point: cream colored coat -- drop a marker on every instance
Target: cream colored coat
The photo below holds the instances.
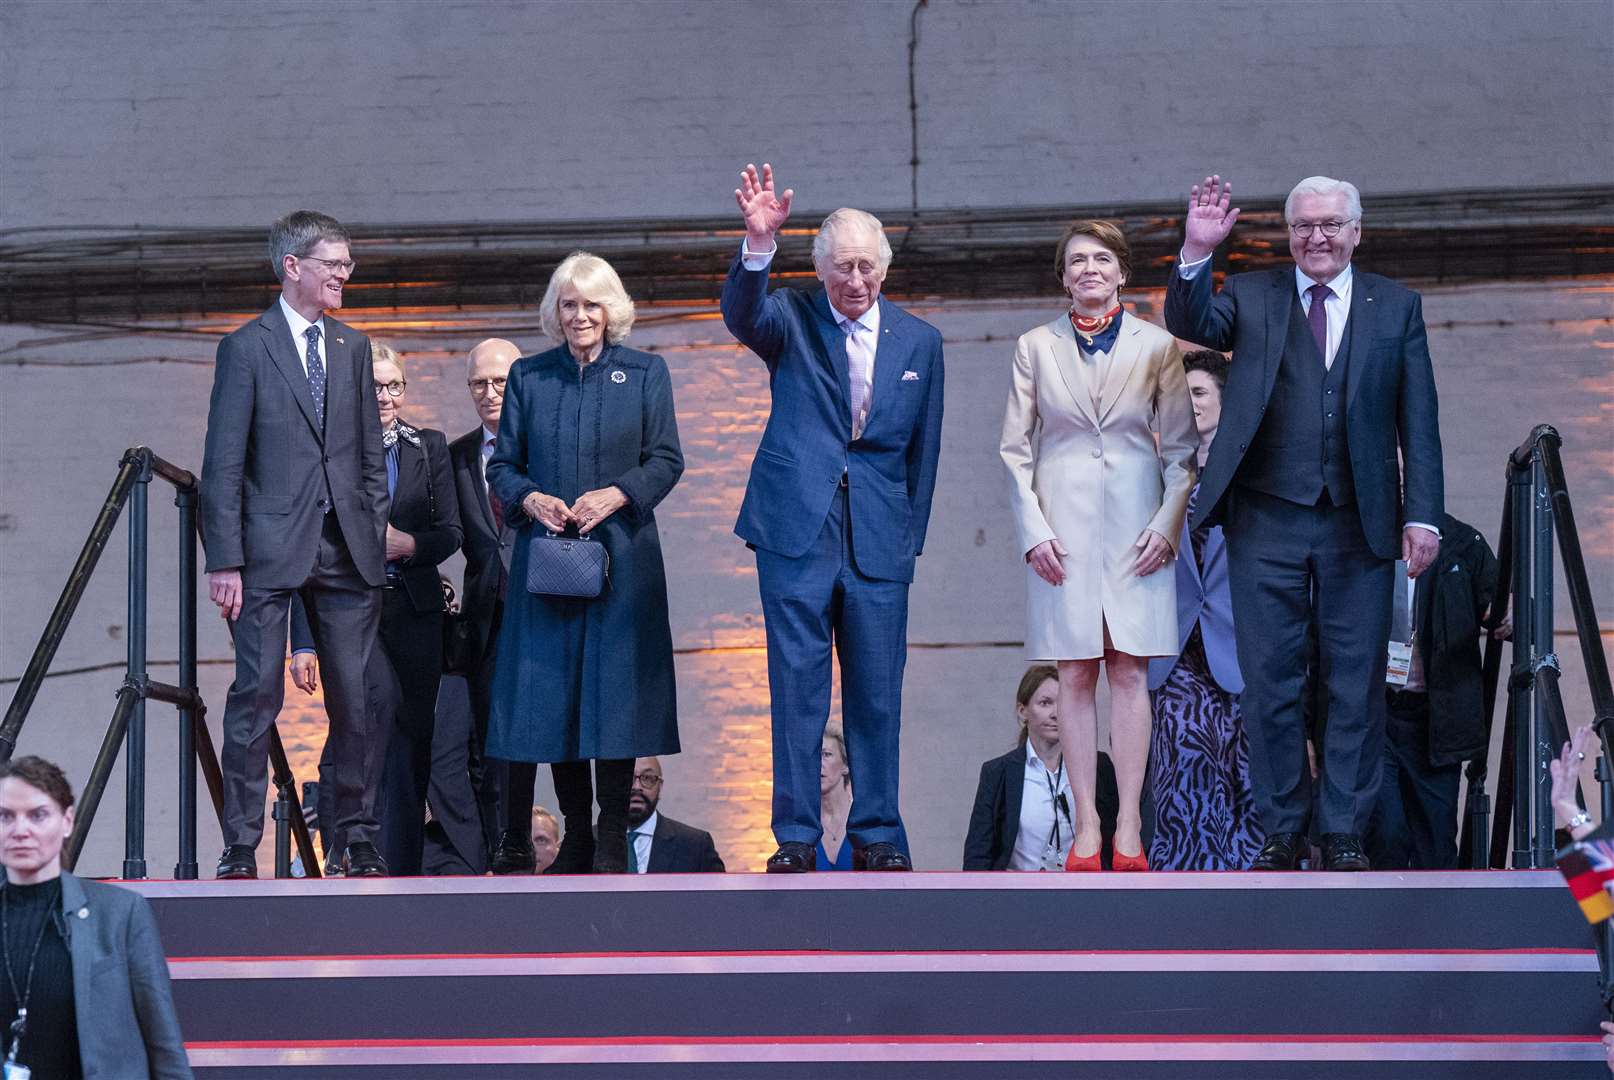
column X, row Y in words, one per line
column 1079, row 439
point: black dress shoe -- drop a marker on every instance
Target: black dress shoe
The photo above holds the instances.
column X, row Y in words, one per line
column 363, row 860
column 1342, row 851
column 514, row 855
column 1282, row 851
column 611, row 851
column 884, row 857
column 793, row 858
column 238, row 863
column 576, row 853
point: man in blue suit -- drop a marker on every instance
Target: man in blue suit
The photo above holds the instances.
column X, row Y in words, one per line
column 1331, row 379
column 836, row 509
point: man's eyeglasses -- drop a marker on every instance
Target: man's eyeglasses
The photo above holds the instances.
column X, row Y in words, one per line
column 391, row 389
column 333, row 265
column 1330, row 229
column 647, row 779
column 482, row 386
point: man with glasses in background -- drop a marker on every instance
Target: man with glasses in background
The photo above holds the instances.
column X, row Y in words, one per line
column 294, row 500
column 656, row 843
column 488, row 545
column 1331, row 376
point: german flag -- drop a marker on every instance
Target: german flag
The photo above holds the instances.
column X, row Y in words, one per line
column 1588, row 866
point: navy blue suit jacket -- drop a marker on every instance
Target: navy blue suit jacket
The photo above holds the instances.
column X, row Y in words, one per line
column 1204, row 597
column 808, row 444
column 1389, row 391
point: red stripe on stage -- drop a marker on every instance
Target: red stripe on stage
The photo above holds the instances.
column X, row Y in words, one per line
column 877, row 1040
column 292, row 958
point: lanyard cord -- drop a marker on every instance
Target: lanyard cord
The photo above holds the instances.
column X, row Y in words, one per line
column 1055, row 781
column 20, row 1024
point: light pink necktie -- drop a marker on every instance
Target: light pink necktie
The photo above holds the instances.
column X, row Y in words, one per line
column 860, row 361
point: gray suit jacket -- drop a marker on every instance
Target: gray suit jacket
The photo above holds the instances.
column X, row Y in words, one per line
column 1203, row 596
column 268, row 458
column 127, row 1027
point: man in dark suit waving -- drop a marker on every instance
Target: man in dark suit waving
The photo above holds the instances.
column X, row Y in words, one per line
column 836, row 508
column 1331, row 378
column 294, row 499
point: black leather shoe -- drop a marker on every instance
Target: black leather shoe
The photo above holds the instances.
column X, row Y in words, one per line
column 1282, row 851
column 238, row 863
column 793, row 858
column 1342, row 851
column 514, row 855
column 363, row 860
column 880, row 857
column 611, row 851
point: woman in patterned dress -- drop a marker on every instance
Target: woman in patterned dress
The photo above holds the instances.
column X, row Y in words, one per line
column 1199, row 775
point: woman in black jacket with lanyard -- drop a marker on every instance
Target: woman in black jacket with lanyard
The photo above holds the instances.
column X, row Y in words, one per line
column 1022, row 815
column 423, row 529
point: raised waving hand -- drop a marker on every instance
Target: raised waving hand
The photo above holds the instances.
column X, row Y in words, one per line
column 1209, row 220
column 765, row 212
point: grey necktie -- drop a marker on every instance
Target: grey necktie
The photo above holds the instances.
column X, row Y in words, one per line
column 316, row 372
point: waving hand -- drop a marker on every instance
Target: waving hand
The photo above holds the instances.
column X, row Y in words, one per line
column 1209, row 220
column 764, row 212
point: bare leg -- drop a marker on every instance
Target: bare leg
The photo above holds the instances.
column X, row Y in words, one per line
column 1078, row 741
column 1130, row 721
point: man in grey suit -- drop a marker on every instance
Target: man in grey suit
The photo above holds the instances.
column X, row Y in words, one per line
column 294, row 499
column 1331, row 379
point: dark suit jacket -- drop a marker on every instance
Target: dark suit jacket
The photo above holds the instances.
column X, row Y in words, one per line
column 487, row 551
column 995, row 819
column 1389, row 391
column 682, row 849
column 127, row 1026
column 1450, row 600
column 808, row 443
column 425, row 507
column 268, row 458
column 1204, row 598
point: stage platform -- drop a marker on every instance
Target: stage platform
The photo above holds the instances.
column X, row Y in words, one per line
column 852, row 976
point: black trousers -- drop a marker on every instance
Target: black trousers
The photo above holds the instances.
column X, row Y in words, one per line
column 1415, row 819
column 343, row 613
column 1292, row 566
column 489, row 776
column 401, row 686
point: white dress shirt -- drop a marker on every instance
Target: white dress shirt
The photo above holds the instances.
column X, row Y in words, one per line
column 862, row 343
column 1337, row 305
column 1033, row 847
column 299, row 330
column 644, row 840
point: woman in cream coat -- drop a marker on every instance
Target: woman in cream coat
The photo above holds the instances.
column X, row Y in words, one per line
column 1099, row 441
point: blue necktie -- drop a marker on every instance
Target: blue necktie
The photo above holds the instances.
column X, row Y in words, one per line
column 316, row 373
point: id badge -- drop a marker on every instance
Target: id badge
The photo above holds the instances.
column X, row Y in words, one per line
column 1400, row 663
column 16, row 1071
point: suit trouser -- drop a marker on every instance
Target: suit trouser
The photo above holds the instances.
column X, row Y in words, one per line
column 455, row 843
column 1290, row 564
column 812, row 604
column 1415, row 819
column 343, row 612
column 489, row 776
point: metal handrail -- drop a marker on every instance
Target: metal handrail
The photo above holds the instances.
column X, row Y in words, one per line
column 127, row 727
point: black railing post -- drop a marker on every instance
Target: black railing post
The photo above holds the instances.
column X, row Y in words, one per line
column 134, row 821
column 1543, row 745
column 1520, row 711
column 90, row 798
column 185, row 869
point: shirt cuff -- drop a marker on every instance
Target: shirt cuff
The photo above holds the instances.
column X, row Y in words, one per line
column 753, row 260
column 299, row 652
column 1190, row 270
column 1423, row 525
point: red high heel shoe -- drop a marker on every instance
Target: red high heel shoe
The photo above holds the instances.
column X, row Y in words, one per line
column 1074, row 862
column 1140, row 861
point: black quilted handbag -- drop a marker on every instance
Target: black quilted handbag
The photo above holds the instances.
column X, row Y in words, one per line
column 575, row 568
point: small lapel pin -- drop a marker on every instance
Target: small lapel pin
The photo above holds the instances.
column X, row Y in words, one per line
column 619, row 377
column 1367, row 300
column 84, row 913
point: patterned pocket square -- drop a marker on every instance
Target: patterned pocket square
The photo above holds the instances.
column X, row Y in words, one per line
column 910, row 376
